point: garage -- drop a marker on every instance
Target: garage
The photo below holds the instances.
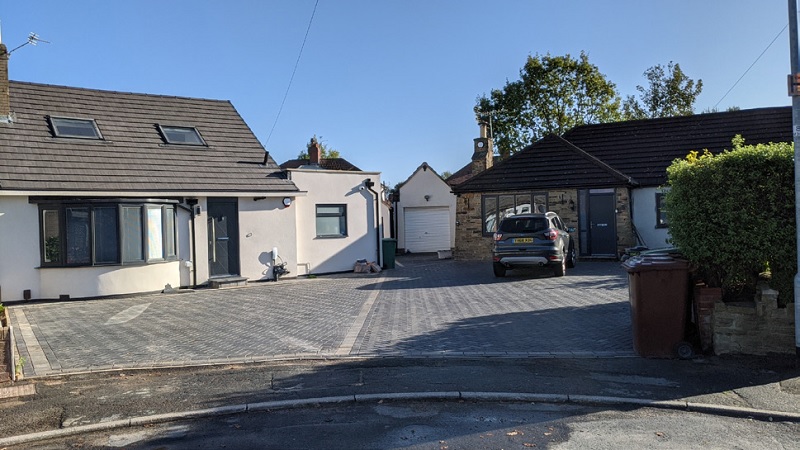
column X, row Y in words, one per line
column 427, row 229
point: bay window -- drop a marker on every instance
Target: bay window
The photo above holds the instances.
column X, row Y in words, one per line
column 101, row 233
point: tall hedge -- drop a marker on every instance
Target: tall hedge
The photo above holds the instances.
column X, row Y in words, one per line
column 733, row 214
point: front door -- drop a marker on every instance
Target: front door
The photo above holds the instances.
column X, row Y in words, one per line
column 223, row 237
column 602, row 224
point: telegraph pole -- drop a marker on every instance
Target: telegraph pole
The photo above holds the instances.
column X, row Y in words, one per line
column 794, row 91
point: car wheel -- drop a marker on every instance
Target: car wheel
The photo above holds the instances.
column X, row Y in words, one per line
column 561, row 269
column 572, row 259
column 499, row 270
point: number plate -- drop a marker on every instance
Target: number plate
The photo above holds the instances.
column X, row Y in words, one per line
column 523, row 240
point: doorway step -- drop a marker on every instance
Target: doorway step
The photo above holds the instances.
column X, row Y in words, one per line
column 227, row 282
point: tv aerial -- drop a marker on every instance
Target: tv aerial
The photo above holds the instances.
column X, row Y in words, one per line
column 33, row 39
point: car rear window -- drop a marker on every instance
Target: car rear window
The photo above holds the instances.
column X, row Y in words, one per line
column 523, row 225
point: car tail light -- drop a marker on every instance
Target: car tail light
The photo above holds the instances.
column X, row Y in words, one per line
column 551, row 234
column 498, row 236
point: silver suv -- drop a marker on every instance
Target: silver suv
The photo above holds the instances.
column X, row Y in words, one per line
column 533, row 240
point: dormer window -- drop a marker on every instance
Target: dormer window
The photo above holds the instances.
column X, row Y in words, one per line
column 75, row 128
column 181, row 135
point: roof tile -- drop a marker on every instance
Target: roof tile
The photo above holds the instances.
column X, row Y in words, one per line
column 132, row 155
column 627, row 153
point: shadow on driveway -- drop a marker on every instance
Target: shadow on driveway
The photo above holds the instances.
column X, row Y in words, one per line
column 422, row 271
column 596, row 329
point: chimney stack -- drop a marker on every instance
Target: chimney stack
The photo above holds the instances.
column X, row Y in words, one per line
column 313, row 151
column 483, row 155
column 5, row 102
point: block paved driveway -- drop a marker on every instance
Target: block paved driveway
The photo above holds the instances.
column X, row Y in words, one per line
column 424, row 307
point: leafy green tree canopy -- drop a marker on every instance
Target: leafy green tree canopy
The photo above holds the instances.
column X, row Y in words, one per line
column 325, row 152
column 553, row 94
column 669, row 93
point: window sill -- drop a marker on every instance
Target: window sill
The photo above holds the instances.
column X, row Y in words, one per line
column 127, row 264
column 338, row 236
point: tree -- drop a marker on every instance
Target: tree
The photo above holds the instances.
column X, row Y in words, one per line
column 670, row 93
column 325, row 152
column 446, row 174
column 553, row 94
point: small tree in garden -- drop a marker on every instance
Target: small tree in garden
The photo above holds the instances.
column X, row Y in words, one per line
column 733, row 214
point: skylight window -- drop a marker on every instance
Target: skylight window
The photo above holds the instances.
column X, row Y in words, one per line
column 181, row 135
column 75, row 128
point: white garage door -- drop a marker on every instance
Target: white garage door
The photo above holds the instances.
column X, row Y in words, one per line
column 427, row 229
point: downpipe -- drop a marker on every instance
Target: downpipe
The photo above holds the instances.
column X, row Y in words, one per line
column 369, row 184
column 192, row 215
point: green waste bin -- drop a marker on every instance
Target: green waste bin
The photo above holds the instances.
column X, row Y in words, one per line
column 389, row 250
column 658, row 286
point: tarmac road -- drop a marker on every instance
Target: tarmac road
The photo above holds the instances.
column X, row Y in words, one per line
column 451, row 425
column 764, row 389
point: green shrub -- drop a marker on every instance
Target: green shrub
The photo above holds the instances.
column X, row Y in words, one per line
column 733, row 214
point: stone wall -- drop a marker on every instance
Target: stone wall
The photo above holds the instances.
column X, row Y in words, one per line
column 472, row 244
column 625, row 237
column 754, row 328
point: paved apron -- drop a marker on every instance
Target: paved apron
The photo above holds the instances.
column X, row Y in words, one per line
column 424, row 307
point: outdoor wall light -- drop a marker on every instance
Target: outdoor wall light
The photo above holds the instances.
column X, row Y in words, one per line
column 287, row 201
column 427, row 198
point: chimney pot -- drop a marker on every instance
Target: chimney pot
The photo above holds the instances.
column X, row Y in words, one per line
column 484, row 129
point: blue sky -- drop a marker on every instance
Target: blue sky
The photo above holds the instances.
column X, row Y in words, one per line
column 390, row 83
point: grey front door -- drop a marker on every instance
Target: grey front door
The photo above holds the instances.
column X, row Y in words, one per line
column 223, row 237
column 602, row 224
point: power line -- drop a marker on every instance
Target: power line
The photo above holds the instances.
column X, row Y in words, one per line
column 751, row 65
column 297, row 63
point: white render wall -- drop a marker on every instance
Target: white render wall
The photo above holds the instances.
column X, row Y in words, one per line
column 19, row 248
column 327, row 255
column 184, row 250
column 412, row 195
column 263, row 224
column 644, row 217
column 101, row 281
column 20, row 264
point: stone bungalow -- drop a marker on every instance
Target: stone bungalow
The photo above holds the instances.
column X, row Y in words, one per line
column 606, row 180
